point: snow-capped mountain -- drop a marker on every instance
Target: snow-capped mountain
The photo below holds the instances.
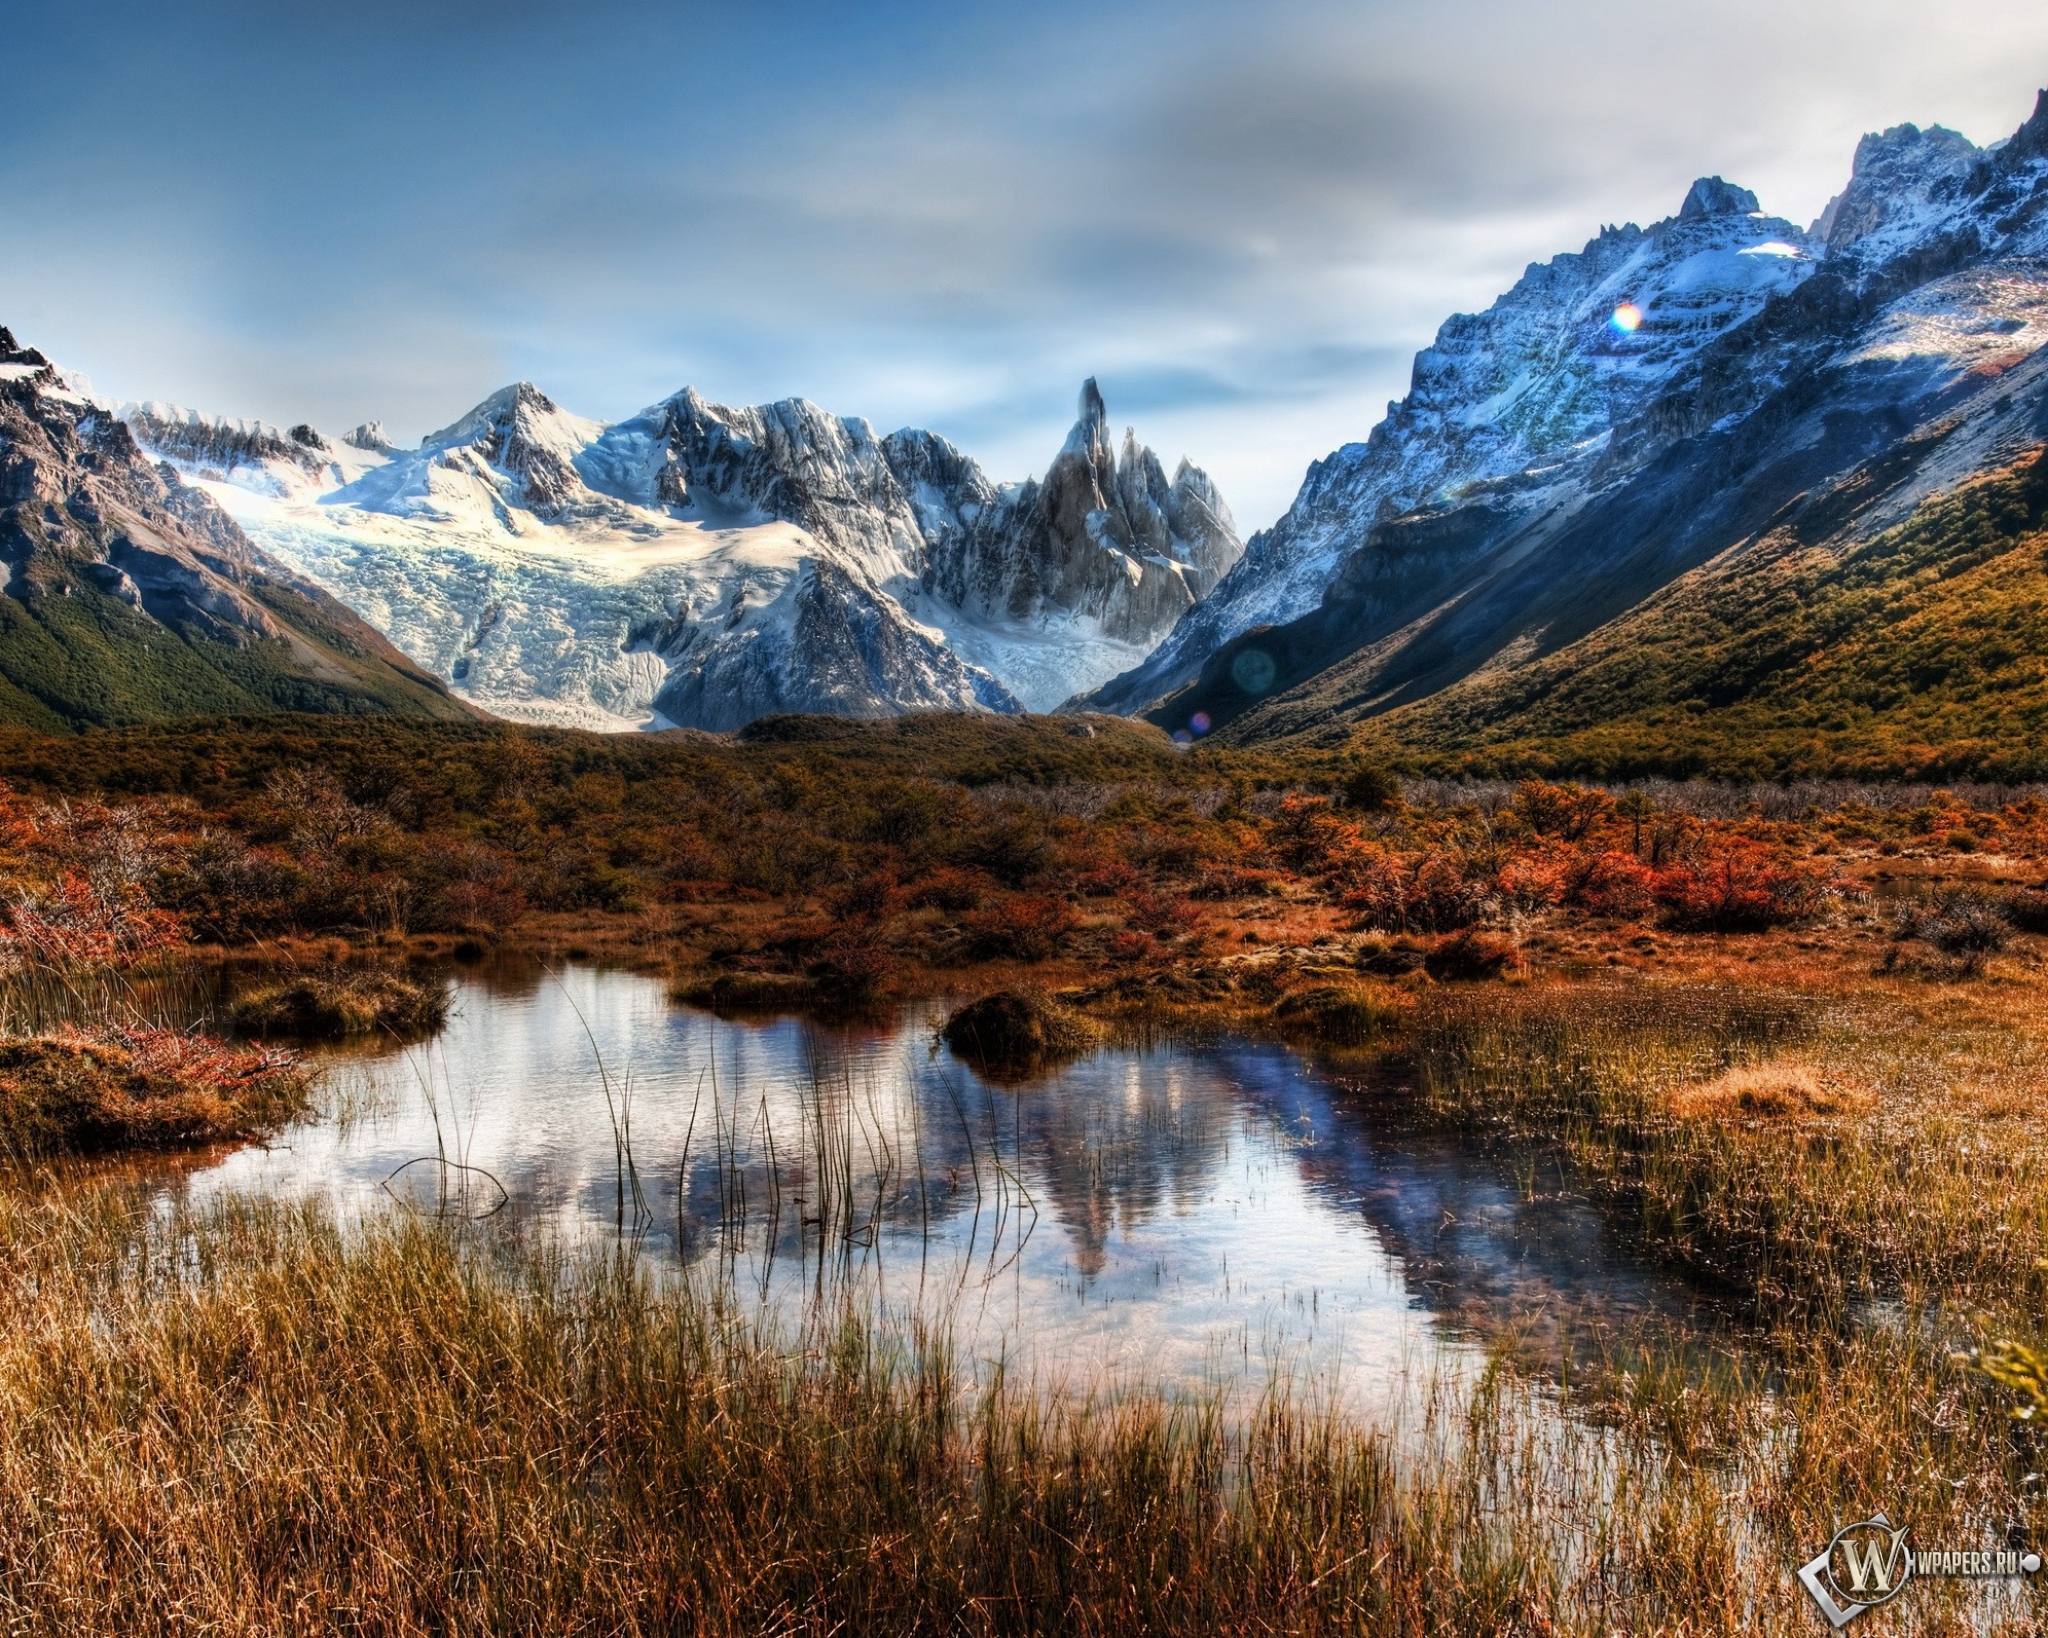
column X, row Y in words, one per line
column 701, row 565
column 1533, row 385
column 1633, row 415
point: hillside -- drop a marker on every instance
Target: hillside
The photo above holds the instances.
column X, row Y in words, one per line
column 1921, row 652
column 132, row 598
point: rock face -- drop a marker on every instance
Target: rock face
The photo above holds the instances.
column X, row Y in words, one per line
column 1626, row 415
column 132, row 597
column 177, row 434
column 1104, row 536
column 701, row 565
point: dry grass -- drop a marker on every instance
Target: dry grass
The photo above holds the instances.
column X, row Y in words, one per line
column 1883, row 1143
column 256, row 1422
column 1776, row 1089
column 339, row 1003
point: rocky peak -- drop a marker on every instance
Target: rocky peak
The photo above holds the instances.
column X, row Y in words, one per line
column 1896, row 179
column 1091, row 415
column 23, row 366
column 1089, row 440
column 2030, row 141
column 370, row 436
column 1710, row 196
column 213, row 445
column 523, row 433
column 12, row 352
column 790, row 461
column 1103, row 535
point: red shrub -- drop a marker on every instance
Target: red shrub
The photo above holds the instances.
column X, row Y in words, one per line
column 1235, row 882
column 1429, row 892
column 1741, row 886
column 1528, row 882
column 1022, row 927
column 77, row 922
column 1131, row 946
column 1105, row 879
column 1614, row 884
column 950, row 888
column 874, row 897
column 82, row 890
column 853, row 966
column 1473, row 955
column 1154, row 913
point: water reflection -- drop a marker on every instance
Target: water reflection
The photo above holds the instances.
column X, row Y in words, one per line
column 1168, row 1211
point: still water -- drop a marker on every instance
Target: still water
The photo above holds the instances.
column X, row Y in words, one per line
column 1176, row 1213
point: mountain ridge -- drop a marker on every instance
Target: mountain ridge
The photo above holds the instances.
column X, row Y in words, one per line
column 1898, row 366
column 132, row 598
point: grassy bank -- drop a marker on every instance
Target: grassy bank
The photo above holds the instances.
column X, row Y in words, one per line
column 1876, row 1143
column 263, row 1423
column 137, row 1087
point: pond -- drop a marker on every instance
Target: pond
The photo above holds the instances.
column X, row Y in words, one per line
column 1177, row 1212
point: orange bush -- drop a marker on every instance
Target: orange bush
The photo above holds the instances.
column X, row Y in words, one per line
column 1022, row 927
column 1741, row 886
column 1612, row 883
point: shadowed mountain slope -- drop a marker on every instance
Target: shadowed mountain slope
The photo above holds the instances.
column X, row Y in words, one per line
column 132, row 598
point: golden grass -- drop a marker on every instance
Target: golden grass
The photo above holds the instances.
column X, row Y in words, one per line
column 341, row 1002
column 1819, row 1149
column 1777, row 1088
column 255, row 1421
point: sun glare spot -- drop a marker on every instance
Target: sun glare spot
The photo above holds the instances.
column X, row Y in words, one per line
column 1626, row 318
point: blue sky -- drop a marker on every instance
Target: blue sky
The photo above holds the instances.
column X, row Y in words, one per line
column 1242, row 219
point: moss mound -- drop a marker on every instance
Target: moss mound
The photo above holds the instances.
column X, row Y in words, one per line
column 1337, row 1014
column 141, row 1089
column 749, row 992
column 334, row 1006
column 1007, row 1034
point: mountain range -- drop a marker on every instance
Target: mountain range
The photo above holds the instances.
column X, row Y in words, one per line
column 1722, row 494
column 699, row 566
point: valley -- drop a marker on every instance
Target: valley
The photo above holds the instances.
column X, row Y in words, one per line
column 719, row 1023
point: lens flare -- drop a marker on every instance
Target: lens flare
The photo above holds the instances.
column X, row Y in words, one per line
column 1627, row 318
column 1199, row 722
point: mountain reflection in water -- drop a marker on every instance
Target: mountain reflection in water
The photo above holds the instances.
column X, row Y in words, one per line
column 1173, row 1212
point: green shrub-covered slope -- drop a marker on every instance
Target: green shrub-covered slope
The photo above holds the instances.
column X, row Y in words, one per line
column 83, row 659
column 1920, row 652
